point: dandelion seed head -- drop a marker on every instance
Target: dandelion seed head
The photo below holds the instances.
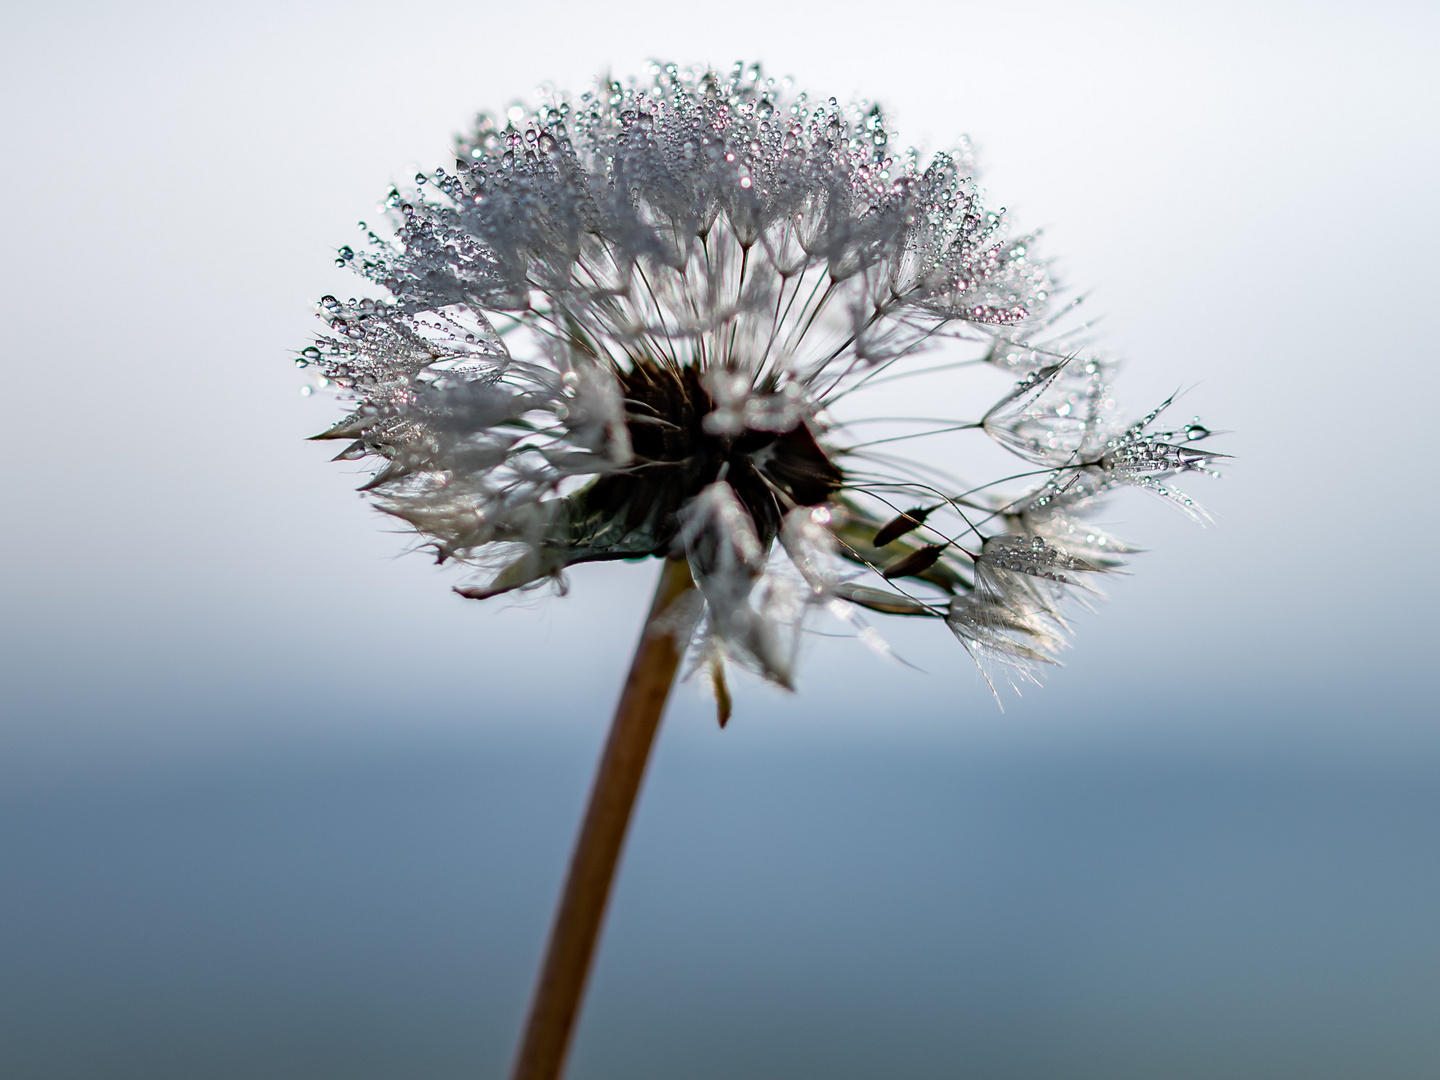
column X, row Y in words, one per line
column 626, row 324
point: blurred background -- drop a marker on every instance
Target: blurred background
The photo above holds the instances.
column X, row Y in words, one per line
column 275, row 803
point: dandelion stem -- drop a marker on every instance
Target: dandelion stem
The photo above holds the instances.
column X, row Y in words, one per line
column 576, row 930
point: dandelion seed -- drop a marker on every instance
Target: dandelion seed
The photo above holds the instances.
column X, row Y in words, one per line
column 901, row 524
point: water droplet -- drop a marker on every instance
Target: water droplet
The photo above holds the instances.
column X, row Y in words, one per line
column 1196, row 431
column 306, row 391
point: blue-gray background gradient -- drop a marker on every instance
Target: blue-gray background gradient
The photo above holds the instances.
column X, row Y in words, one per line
column 274, row 803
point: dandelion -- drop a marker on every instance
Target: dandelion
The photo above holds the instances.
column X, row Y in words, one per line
column 638, row 324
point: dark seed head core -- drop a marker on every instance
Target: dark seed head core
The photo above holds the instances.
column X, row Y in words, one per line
column 636, row 512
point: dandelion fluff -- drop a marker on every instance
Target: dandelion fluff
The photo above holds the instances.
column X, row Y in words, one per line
column 620, row 326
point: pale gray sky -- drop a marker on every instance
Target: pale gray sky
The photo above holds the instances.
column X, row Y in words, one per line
column 1245, row 190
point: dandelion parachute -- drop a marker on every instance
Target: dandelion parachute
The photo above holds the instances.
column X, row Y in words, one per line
column 628, row 325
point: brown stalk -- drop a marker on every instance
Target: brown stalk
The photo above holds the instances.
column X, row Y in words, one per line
column 576, row 930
